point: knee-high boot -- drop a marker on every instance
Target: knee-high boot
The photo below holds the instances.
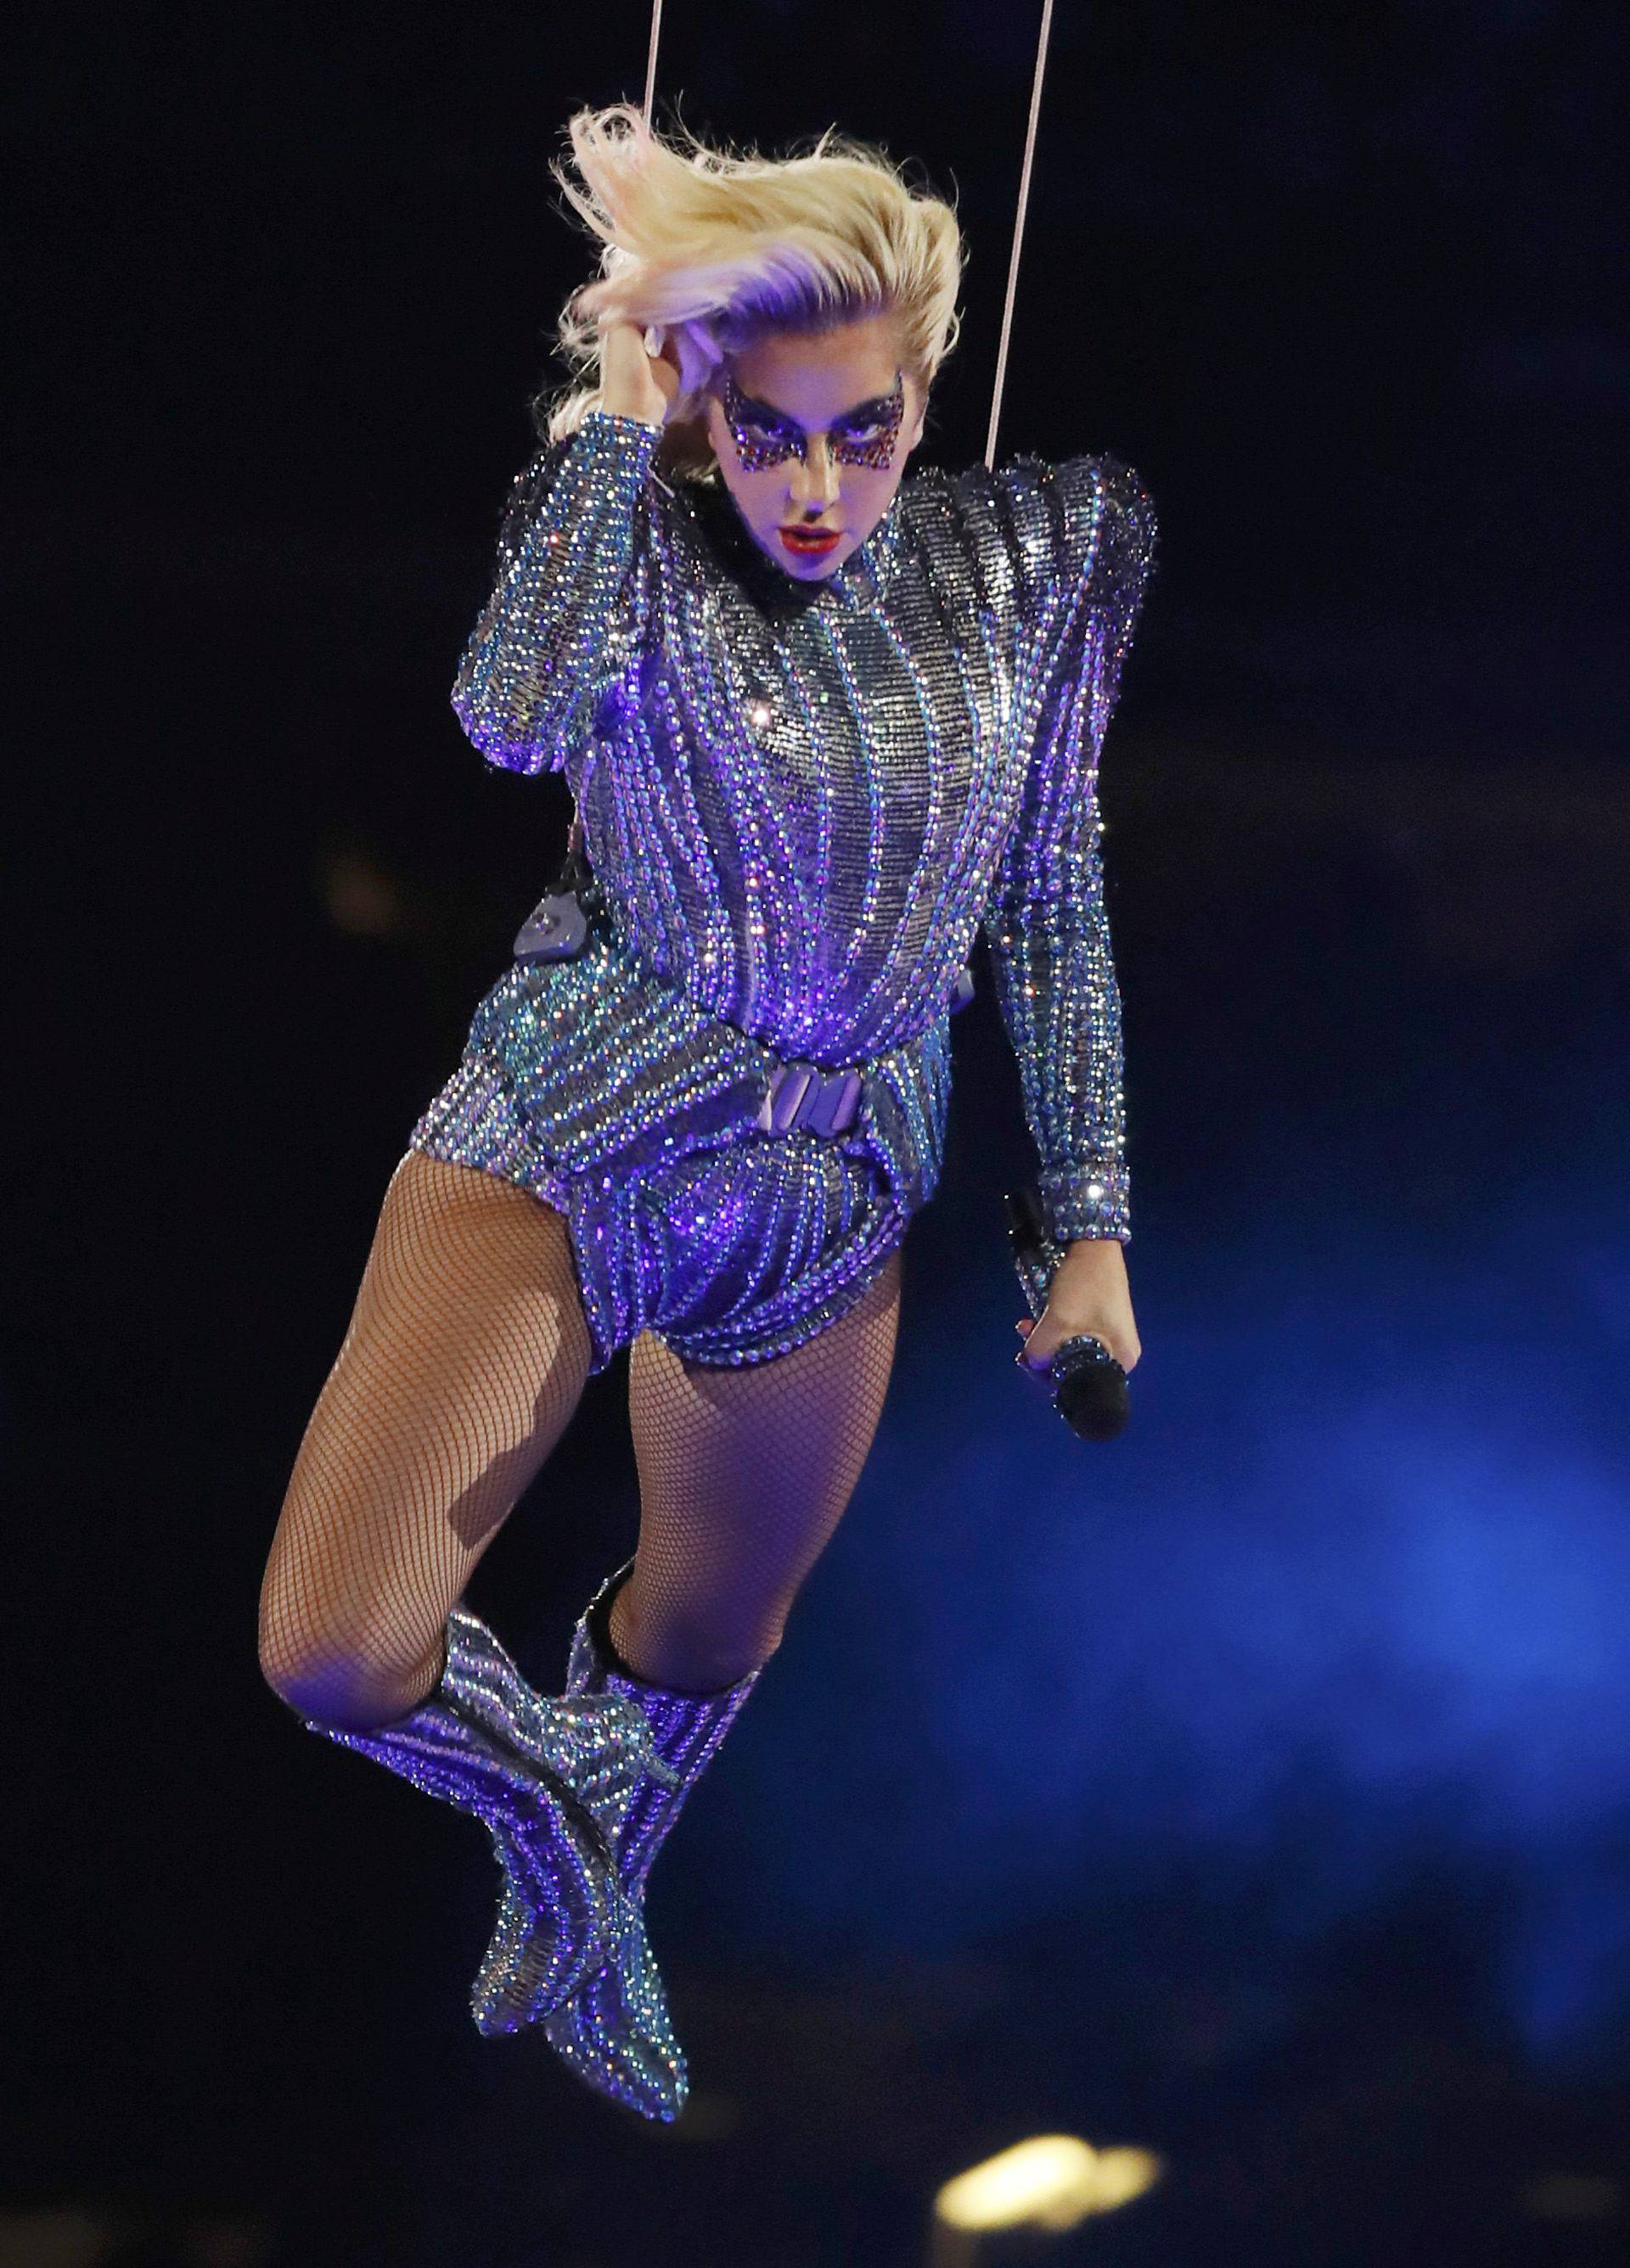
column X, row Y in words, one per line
column 617, row 2033
column 551, row 1781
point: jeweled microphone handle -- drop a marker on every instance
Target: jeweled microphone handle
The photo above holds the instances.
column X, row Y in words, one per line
column 1090, row 1386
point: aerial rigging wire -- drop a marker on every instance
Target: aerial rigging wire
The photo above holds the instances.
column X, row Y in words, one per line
column 1018, row 223
column 1018, row 230
column 651, row 61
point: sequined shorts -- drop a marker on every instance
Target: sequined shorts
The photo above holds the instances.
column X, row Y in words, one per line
column 600, row 1086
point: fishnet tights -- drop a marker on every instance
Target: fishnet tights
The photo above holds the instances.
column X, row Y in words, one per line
column 464, row 1361
column 743, row 1475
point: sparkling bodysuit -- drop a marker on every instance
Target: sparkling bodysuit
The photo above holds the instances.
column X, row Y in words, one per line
column 801, row 801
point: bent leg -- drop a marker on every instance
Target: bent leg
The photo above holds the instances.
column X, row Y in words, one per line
column 743, row 1476
column 465, row 1358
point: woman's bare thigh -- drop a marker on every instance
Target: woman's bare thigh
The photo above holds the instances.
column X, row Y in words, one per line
column 466, row 1356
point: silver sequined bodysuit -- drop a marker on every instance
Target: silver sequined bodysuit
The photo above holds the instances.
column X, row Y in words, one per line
column 802, row 799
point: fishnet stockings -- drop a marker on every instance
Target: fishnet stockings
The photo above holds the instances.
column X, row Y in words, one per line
column 743, row 1475
column 464, row 1361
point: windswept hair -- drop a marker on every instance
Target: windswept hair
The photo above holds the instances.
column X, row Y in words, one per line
column 713, row 247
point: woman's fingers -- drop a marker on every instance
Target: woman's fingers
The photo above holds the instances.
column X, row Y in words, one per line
column 634, row 382
column 1042, row 1340
column 1036, row 1362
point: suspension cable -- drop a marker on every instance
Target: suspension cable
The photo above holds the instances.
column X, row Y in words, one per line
column 1026, row 171
column 650, row 64
column 1018, row 230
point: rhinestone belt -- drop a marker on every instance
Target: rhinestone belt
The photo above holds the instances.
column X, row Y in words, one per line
column 799, row 1097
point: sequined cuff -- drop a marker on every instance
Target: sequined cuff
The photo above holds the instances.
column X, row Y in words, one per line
column 602, row 472
column 623, row 431
column 549, row 632
column 1091, row 1205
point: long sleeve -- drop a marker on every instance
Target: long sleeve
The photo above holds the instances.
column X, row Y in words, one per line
column 1084, row 538
column 567, row 603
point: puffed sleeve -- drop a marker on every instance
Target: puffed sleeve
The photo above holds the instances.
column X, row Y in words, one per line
column 1083, row 538
column 569, row 599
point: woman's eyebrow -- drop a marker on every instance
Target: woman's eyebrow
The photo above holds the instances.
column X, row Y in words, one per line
column 765, row 412
column 863, row 412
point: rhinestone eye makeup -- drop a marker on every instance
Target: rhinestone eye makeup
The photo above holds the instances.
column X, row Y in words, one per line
column 759, row 443
column 866, row 438
column 871, row 442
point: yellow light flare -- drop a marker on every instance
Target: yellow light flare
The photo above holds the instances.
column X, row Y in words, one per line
column 1051, row 2182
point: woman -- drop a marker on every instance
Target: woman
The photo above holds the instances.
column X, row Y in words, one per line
column 819, row 727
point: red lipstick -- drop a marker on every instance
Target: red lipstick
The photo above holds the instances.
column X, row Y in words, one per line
column 810, row 542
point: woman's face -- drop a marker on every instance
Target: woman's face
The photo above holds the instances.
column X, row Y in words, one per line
column 811, row 432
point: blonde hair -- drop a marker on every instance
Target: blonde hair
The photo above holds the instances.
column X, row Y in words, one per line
column 713, row 247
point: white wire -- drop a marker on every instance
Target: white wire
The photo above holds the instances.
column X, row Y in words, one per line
column 1018, row 230
column 651, row 65
column 1033, row 122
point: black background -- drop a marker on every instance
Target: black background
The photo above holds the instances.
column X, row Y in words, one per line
column 1345, row 286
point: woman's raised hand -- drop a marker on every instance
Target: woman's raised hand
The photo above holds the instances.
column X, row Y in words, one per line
column 634, row 382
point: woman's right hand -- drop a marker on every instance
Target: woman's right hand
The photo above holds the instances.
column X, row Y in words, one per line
column 632, row 382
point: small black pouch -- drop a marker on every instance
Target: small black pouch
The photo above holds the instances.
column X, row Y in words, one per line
column 557, row 927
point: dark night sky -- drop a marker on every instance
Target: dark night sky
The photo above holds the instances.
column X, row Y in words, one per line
column 1347, row 286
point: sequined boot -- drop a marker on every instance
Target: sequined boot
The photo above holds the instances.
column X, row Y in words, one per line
column 551, row 1781
column 616, row 2034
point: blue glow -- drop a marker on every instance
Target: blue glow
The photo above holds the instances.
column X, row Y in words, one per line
column 1365, row 1616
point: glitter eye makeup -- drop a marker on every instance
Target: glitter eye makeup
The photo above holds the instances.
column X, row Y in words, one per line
column 869, row 440
column 866, row 437
column 759, row 445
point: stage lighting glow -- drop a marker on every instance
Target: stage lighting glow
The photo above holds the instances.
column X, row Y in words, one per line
column 1051, row 2182
column 360, row 897
column 1123, row 2175
column 1575, row 2197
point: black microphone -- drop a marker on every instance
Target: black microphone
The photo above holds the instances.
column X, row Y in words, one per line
column 1089, row 1386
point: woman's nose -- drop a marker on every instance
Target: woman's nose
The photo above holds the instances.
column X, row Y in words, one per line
column 814, row 475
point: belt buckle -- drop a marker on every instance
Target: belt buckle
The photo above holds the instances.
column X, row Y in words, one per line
column 802, row 1097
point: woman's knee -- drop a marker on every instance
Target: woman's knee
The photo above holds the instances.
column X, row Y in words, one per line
column 343, row 1690
column 698, row 1646
column 341, row 1669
